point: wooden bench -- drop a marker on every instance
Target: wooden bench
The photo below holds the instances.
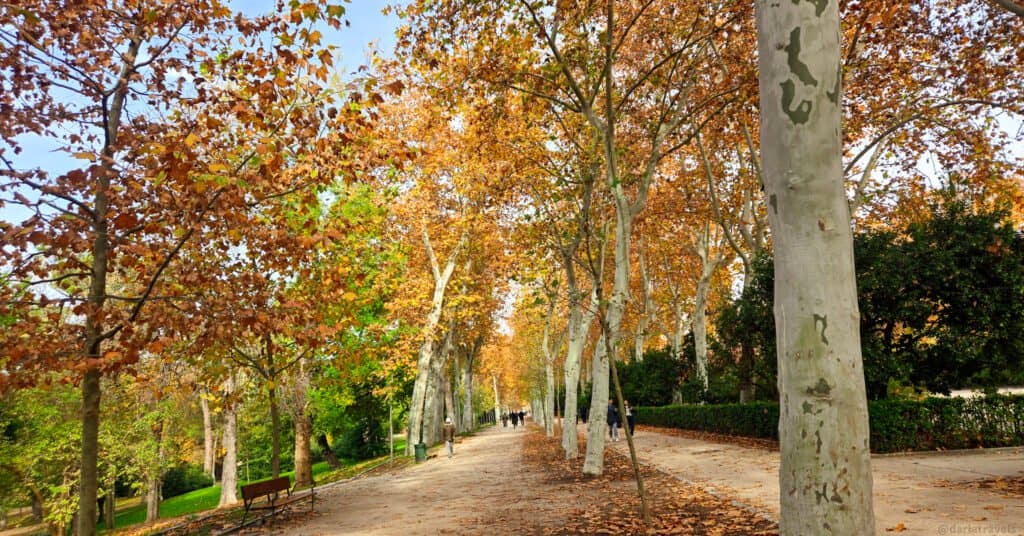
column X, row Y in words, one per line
column 271, row 490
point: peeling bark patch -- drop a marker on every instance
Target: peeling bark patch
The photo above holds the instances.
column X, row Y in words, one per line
column 833, row 95
column 809, row 409
column 820, row 389
column 824, row 326
column 819, row 6
column 823, row 494
column 774, row 202
column 796, row 66
column 802, row 112
column 836, row 498
column 817, row 434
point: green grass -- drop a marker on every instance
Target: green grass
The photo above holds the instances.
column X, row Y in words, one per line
column 204, row 499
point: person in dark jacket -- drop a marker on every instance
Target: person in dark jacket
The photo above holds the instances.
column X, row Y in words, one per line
column 613, row 420
column 449, row 436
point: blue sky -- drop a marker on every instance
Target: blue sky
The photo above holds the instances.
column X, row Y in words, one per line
column 367, row 27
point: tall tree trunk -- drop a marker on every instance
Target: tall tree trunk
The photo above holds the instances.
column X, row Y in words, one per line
column 90, row 443
column 467, row 385
column 153, row 497
column 679, row 325
column 303, row 427
column 209, row 454
column 746, row 372
column 433, row 406
column 549, row 372
column 275, row 410
column 89, row 473
column 708, row 266
column 700, row 332
column 825, row 474
column 332, row 461
column 110, row 505
column 154, row 480
column 597, row 425
column 579, row 327
column 229, row 468
column 275, row 432
column 423, row 365
column 647, row 302
column 497, row 400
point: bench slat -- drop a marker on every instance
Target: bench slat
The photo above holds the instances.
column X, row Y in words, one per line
column 266, row 487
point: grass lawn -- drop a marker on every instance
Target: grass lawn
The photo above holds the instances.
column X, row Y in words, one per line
column 200, row 500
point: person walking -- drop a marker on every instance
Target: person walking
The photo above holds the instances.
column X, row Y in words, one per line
column 629, row 417
column 515, row 420
column 613, row 420
column 522, row 418
column 504, row 420
column 449, row 436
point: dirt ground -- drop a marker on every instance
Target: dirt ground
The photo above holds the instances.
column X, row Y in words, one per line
column 960, row 492
column 516, row 482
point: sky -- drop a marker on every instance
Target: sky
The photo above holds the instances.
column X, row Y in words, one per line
column 367, row 28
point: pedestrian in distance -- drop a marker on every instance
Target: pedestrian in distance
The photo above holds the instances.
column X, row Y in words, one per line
column 522, row 418
column 449, row 436
column 613, row 420
column 504, row 420
column 515, row 420
column 629, row 417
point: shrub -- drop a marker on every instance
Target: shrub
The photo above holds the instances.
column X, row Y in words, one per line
column 896, row 425
column 184, row 478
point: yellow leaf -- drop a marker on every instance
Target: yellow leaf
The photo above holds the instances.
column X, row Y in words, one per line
column 191, row 140
column 85, row 156
column 349, row 296
column 270, row 385
column 217, row 167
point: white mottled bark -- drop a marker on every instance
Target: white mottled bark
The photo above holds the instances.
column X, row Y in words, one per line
column 154, row 480
column 229, row 467
column 708, row 266
column 580, row 320
column 209, row 454
column 303, row 456
column 825, row 474
column 597, row 424
column 647, row 317
column 426, row 353
column 549, row 372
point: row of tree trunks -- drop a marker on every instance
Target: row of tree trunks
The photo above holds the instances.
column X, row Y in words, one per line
column 418, row 410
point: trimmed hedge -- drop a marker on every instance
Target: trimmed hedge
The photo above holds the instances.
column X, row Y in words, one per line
column 896, row 425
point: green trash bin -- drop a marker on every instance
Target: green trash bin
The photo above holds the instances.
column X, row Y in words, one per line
column 421, row 452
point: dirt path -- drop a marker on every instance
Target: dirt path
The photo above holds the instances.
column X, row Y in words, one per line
column 923, row 494
column 467, row 494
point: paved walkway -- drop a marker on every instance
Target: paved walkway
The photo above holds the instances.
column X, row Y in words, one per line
column 920, row 494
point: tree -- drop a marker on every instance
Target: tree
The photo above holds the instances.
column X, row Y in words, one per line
column 825, row 473
column 97, row 80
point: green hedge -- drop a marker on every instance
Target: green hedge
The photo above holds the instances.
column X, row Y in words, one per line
column 896, row 425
